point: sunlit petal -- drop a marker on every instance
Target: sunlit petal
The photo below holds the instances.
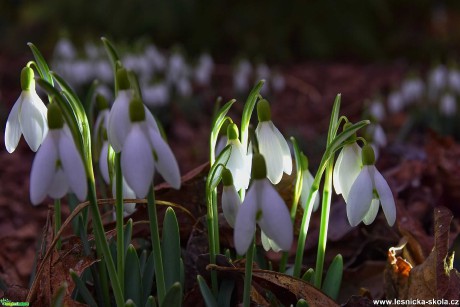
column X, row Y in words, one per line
column 137, row 161
column 43, row 169
column 119, row 121
column 32, row 119
column 349, row 168
column 275, row 220
column 372, row 213
column 73, row 167
column 165, row 163
column 386, row 197
column 287, row 159
column 245, row 223
column 238, row 166
column 13, row 127
column 272, row 152
column 335, row 174
column 230, row 204
column 360, row 197
column 306, row 186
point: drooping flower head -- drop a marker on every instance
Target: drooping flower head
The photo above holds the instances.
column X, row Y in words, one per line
column 144, row 150
column 264, row 206
column 347, row 167
column 239, row 162
column 272, row 144
column 231, row 201
column 368, row 191
column 28, row 116
column 58, row 166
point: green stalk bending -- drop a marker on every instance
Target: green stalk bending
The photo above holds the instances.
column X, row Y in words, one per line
column 57, row 221
column 102, row 245
column 210, row 217
column 248, row 275
column 156, row 248
column 325, row 209
column 119, row 222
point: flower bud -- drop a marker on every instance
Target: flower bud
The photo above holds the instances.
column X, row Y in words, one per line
column 367, row 154
column 227, row 178
column 232, row 132
column 55, row 119
column 101, row 102
column 259, row 168
column 122, row 79
column 27, row 79
column 136, row 110
column 263, row 111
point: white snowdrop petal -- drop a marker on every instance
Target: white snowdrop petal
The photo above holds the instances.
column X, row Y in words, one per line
column 335, row 174
column 372, row 213
column 386, row 197
column 13, row 127
column 101, row 122
column 238, row 166
column 151, row 122
column 265, row 241
column 73, row 166
column 137, row 161
column 59, row 186
column 245, row 223
column 103, row 163
column 272, row 152
column 230, row 204
column 349, row 168
column 360, row 197
column 43, row 169
column 287, row 159
column 275, row 220
column 165, row 161
column 33, row 122
column 307, row 182
column 119, row 121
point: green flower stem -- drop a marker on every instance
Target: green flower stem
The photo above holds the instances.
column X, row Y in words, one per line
column 325, row 209
column 101, row 244
column 154, row 233
column 215, row 214
column 119, row 222
column 212, row 245
column 57, row 221
column 248, row 275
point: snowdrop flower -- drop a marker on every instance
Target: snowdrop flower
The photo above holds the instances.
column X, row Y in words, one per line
column 347, row 168
column 156, row 95
column 119, row 122
column 437, row 80
column 272, row 144
column 377, row 110
column 128, row 208
column 239, row 162
column 144, row 150
column 368, row 191
column 64, row 49
column 395, row 102
column 454, row 80
column 263, row 72
column 412, row 90
column 268, row 244
column 264, row 206
column 241, row 76
column 203, row 71
column 58, row 166
column 28, row 116
column 307, row 182
column 448, row 104
column 231, row 201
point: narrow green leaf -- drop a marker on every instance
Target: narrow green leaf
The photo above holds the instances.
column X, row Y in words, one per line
column 114, row 60
column 224, row 297
column 298, row 181
column 58, row 298
column 134, row 81
column 43, row 69
column 215, row 172
column 143, row 260
column 247, row 112
column 182, row 273
column 89, row 102
column 219, row 120
column 82, row 289
column 333, row 280
column 127, row 234
column 148, row 273
column 133, row 281
column 208, row 297
column 173, row 297
column 151, row 302
column 309, row 276
column 170, row 247
column 334, row 118
column 301, row 303
column 339, row 140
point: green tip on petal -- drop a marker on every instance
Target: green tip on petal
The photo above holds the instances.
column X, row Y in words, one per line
column 55, row 119
column 101, row 102
column 368, row 155
column 136, row 110
column 27, row 79
column 263, row 111
column 303, row 161
column 259, row 168
column 227, row 178
column 232, row 132
column 122, row 78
